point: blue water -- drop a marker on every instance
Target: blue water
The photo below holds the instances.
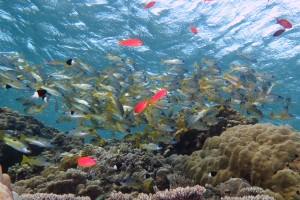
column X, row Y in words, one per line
column 59, row 30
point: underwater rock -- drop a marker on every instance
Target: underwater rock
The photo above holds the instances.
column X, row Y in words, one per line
column 93, row 191
column 193, row 140
column 176, row 181
column 61, row 187
column 260, row 153
column 161, row 177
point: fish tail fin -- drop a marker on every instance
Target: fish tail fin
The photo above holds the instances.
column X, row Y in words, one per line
column 120, row 43
column 88, row 117
column 108, row 95
column 23, row 137
column 40, row 108
column 130, row 62
column 162, row 61
column 272, row 115
column 21, row 55
column 113, row 136
column 24, row 160
column 1, row 134
column 147, row 185
column 137, row 144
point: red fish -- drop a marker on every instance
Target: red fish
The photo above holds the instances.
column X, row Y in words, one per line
column 279, row 32
column 140, row 107
column 86, row 161
column 149, row 5
column 160, row 94
column 285, row 23
column 193, row 29
column 130, row 42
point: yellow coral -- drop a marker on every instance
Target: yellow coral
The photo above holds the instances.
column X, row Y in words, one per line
column 259, row 153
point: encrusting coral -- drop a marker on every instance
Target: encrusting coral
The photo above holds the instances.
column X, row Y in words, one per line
column 264, row 154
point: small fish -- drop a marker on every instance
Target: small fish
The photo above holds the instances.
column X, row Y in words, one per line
column 160, row 94
column 114, row 58
column 132, row 137
column 80, row 132
column 212, row 174
column 283, row 22
column 132, row 42
column 269, row 98
column 193, row 29
column 85, row 161
column 246, row 56
column 39, row 93
column 54, row 63
column 279, row 32
column 172, row 62
column 150, row 146
column 70, row 62
column 36, row 160
column 140, row 107
column 149, row 5
column 15, row 143
column 166, row 139
column 135, row 183
column 73, row 114
column 35, row 109
column 38, row 141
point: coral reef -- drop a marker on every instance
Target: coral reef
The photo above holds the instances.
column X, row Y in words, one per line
column 187, row 193
column 193, row 140
column 43, row 196
column 103, row 178
column 29, row 126
column 263, row 154
column 258, row 197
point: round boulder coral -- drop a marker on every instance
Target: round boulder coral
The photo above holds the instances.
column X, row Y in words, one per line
column 260, row 153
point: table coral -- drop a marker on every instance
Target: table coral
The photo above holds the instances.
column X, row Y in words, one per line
column 259, row 153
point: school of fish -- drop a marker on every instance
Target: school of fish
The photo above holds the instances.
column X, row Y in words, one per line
column 146, row 108
column 123, row 99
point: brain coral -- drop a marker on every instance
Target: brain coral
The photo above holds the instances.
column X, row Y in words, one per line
column 262, row 154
